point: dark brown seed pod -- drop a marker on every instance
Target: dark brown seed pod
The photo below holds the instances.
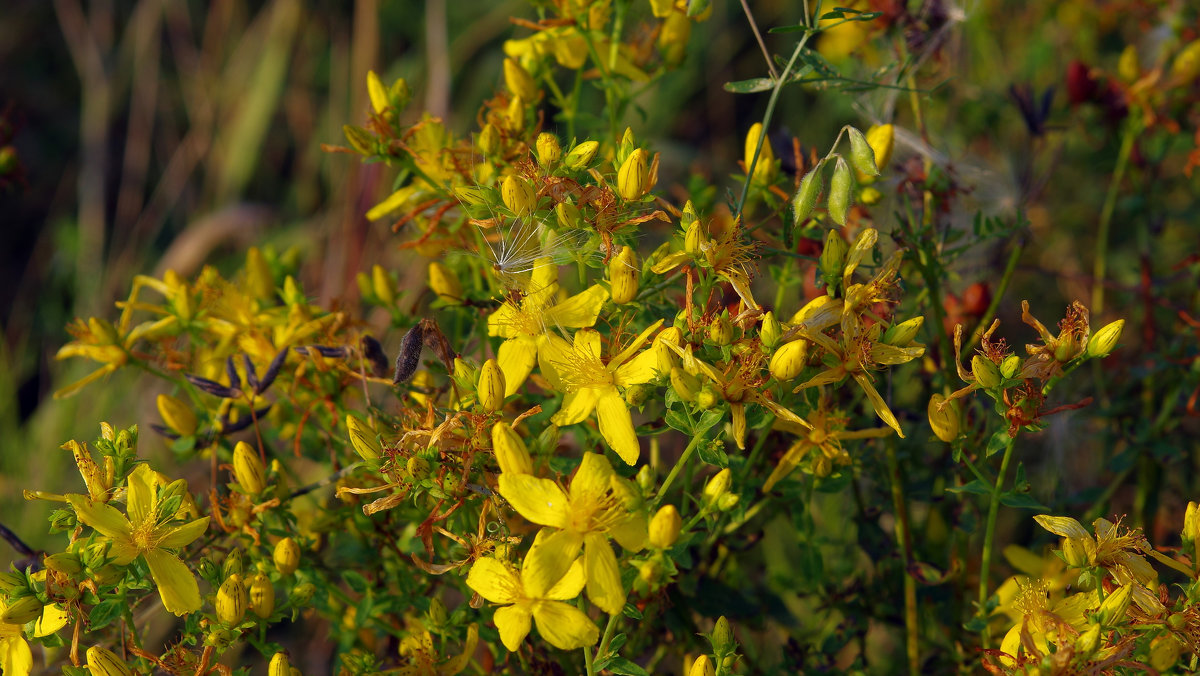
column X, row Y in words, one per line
column 410, row 354
column 373, row 352
column 251, row 373
column 435, row 340
column 272, row 371
column 212, row 387
column 235, row 381
column 323, row 350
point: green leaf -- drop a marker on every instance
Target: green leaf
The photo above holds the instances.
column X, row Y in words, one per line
column 789, row 29
column 620, row 665
column 751, row 86
column 713, row 453
column 680, row 420
column 1022, row 501
column 632, row 612
column 104, row 613
column 999, row 441
column 977, row 487
column 355, row 581
column 708, row 419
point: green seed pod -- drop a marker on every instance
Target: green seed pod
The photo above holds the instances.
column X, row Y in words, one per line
column 1010, row 366
column 286, row 556
column 987, row 374
column 806, row 197
column 840, row 192
column 231, row 601
column 262, row 596
column 638, row 393
column 1104, row 341
column 706, row 398
column 861, row 153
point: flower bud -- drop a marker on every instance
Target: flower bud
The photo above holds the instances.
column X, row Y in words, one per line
column 376, row 92
column 231, row 601
column 722, row 638
column 833, row 257
column 882, row 139
column 764, row 169
column 1104, row 341
column 646, row 477
column 806, row 196
column 702, row 667
column 706, row 398
column 685, row 384
column 720, row 331
column 363, row 438
column 1010, row 366
column 511, row 453
column 903, row 334
column 247, row 469
column 280, row 665
column 302, row 594
column 985, row 371
column 717, row 486
column 1165, row 651
column 1112, row 610
column 664, row 527
column 262, row 596
column 383, row 285
column 1191, row 522
column 514, row 115
column 518, row 81
column 444, row 282
column 788, row 361
column 840, row 187
column 862, row 155
column 944, row 417
column 101, row 662
column 694, row 238
column 581, row 155
column 286, row 556
column 518, row 195
column 418, row 468
column 638, row 393
column 771, row 330
column 624, row 273
column 650, row 571
column 360, row 139
column 24, row 609
column 1186, row 66
column 633, row 178
column 1087, row 642
column 490, row 387
column 177, row 415
column 549, row 152
column 1075, row 552
column 438, row 616
column 488, row 140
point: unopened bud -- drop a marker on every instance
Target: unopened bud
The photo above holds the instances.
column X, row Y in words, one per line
column 728, row 502
column 882, row 139
column 861, row 153
column 1087, row 642
column 490, row 387
column 363, row 438
column 488, row 140
column 1186, row 66
column 646, row 478
column 694, row 238
column 66, row 563
column 722, row 638
column 10, row 583
column 1010, row 366
column 706, row 398
column 944, row 417
column 302, row 594
column 624, row 273
column 903, row 334
column 806, row 196
column 581, row 155
column 511, row 453
column 702, row 667
column 833, row 257
column 438, row 615
column 1075, row 552
column 568, row 215
column 673, row 38
column 1191, row 522
column 633, row 178
column 664, row 527
column 444, row 282
column 383, row 285
column 280, row 665
column 985, row 371
column 1104, row 341
column 24, row 609
column 717, row 486
column 720, row 332
column 764, row 169
column 1165, row 651
column 549, row 152
column 178, row 415
column 771, row 331
column 101, row 662
column 286, row 556
column 247, row 469
column 840, row 187
column 788, row 361
column 518, row 81
column 231, row 601
column 376, row 92
column 518, row 195
column 360, row 139
column 262, row 596
column 514, row 115
column 637, row 394
column 1112, row 610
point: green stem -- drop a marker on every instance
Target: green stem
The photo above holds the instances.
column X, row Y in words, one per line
column 994, row 306
column 609, row 629
column 904, row 540
column 988, row 536
column 1100, row 267
column 679, row 464
column 766, row 123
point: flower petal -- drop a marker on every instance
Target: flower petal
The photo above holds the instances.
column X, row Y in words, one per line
column 516, row 357
column 578, row 311
column 53, row 618
column 1063, row 526
column 538, row 500
column 504, row 321
column 176, row 584
column 616, row 425
column 631, row 533
column 15, row 656
column 565, row 627
column 737, row 412
column 571, row 584
column 670, row 262
column 587, row 344
column 101, row 516
column 513, row 623
column 877, row 402
column 578, row 405
column 634, row 345
column 140, row 505
column 495, row 581
column 548, row 560
column 182, row 536
column 591, row 481
column 554, row 354
column 603, row 574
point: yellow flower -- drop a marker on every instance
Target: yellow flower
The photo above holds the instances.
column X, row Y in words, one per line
column 15, row 656
column 149, row 534
column 722, row 250
column 596, row 505
column 547, row 578
column 591, row 384
column 423, row 659
column 523, row 323
column 825, row 435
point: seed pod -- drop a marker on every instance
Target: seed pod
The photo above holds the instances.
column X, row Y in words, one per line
column 410, row 354
column 286, row 556
column 624, row 273
column 581, row 155
column 549, row 152
column 363, row 438
column 806, row 197
column 262, row 596
column 633, row 178
column 248, row 469
column 372, row 351
column 490, row 388
column 24, row 609
column 518, row 81
column 986, row 373
column 788, row 361
column 178, row 415
column 518, row 195
column 511, row 453
column 1010, row 366
column 637, row 394
column 1104, row 341
column 861, row 153
column 101, row 662
column 840, row 192
column 665, row 527
column 231, row 601
column 944, row 418
column 280, row 665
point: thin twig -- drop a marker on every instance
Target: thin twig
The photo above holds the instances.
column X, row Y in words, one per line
column 758, row 36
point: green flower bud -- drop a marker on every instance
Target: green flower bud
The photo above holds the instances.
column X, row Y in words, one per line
column 549, row 152
column 66, row 563
column 101, row 662
column 437, row 613
column 1104, row 341
column 262, row 596
column 806, row 196
column 1191, row 522
column 665, row 527
column 903, row 334
column 788, row 361
column 624, row 273
column 360, row 139
column 1087, row 642
column 646, row 478
column 11, row 583
column 637, row 394
column 840, row 192
column 286, row 556
column 720, row 332
column 944, row 417
column 722, row 638
column 511, row 454
column 633, row 178
column 706, row 398
column 302, row 594
column 581, row 155
column 985, row 371
column 1113, row 608
column 247, row 469
column 490, row 388
column 861, row 153
column 518, row 195
column 771, row 331
column 728, row 502
column 1075, row 552
column 231, row 601
column 1010, row 366
column 232, row 565
column 870, row 196
column 833, row 257
column 694, row 238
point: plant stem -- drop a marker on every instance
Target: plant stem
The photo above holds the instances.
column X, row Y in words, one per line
column 994, row 306
column 904, row 540
column 608, row 634
column 1100, row 267
column 989, row 534
column 683, row 460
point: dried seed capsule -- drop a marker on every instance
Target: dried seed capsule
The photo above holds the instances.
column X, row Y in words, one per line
column 286, row 556
column 262, row 596
column 101, row 662
column 231, row 601
column 861, row 153
column 840, row 192
column 248, row 469
column 373, row 352
column 410, row 354
column 806, row 197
